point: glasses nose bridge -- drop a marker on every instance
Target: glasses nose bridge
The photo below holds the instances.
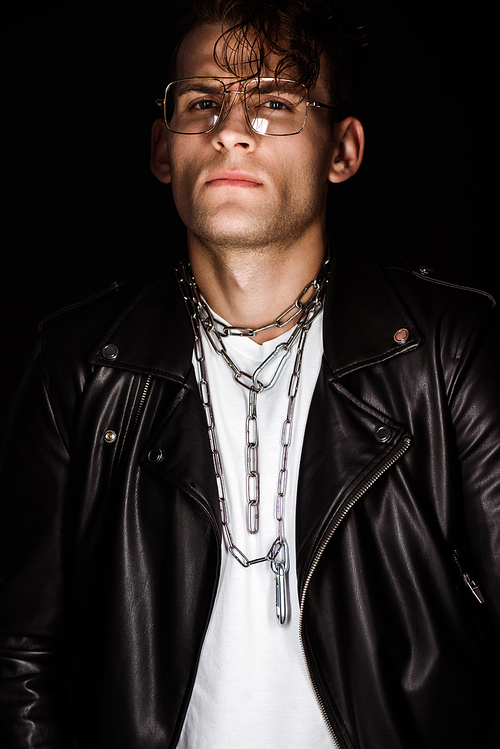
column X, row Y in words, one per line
column 228, row 92
column 228, row 102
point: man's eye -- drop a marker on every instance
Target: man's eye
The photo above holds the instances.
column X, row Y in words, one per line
column 275, row 105
column 202, row 105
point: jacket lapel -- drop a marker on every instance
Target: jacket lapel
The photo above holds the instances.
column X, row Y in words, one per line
column 179, row 452
column 153, row 336
column 362, row 316
column 343, row 443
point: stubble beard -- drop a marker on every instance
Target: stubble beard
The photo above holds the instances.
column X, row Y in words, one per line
column 261, row 230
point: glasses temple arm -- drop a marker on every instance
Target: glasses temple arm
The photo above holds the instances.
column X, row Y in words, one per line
column 319, row 104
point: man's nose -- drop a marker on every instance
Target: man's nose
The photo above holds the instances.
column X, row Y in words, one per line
column 233, row 128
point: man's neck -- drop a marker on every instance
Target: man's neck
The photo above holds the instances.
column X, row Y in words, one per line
column 252, row 288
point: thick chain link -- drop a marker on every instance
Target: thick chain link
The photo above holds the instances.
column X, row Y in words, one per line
column 253, row 478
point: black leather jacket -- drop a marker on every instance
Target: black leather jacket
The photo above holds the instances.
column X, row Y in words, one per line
column 111, row 536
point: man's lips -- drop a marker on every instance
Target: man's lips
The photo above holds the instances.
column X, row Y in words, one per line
column 232, row 178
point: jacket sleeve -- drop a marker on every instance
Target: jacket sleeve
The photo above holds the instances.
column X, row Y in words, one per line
column 33, row 569
column 475, row 407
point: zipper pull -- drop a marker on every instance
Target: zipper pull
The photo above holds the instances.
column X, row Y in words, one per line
column 467, row 578
column 473, row 587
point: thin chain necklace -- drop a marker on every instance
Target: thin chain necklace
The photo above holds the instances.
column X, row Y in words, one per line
column 216, row 330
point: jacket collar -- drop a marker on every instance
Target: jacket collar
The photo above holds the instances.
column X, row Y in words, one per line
column 153, row 334
column 362, row 316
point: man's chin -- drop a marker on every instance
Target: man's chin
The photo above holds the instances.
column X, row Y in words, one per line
column 233, row 240
column 234, row 229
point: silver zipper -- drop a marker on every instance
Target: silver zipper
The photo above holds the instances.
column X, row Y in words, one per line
column 473, row 587
column 141, row 403
column 362, row 490
column 134, row 420
column 138, row 411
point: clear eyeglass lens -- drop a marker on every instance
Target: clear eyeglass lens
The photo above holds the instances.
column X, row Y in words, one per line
column 274, row 107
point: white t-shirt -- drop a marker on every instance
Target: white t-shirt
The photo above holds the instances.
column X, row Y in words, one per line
column 252, row 689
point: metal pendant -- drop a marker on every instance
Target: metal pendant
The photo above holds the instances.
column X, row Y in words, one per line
column 280, row 566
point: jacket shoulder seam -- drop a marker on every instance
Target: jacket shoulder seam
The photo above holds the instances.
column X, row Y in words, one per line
column 460, row 287
column 115, row 286
column 440, row 282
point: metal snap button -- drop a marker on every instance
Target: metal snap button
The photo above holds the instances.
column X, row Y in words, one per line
column 155, row 455
column 383, row 434
column 110, row 351
column 110, row 436
column 401, row 335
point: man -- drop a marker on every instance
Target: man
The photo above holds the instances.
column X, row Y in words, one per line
column 259, row 505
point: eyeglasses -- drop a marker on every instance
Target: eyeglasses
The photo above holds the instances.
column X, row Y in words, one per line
column 273, row 106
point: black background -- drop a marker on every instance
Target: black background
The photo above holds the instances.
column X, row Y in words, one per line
column 83, row 210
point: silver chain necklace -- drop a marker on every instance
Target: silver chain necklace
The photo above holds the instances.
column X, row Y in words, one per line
column 216, row 330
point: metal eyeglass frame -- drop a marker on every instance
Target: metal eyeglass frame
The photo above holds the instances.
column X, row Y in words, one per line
column 162, row 103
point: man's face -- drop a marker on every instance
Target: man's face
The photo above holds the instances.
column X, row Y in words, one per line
column 234, row 188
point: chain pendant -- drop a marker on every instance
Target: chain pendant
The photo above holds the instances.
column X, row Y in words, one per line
column 280, row 566
column 281, row 607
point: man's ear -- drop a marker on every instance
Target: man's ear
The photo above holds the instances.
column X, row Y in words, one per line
column 159, row 152
column 347, row 156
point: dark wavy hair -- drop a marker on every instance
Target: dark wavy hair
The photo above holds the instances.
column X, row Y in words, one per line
column 297, row 31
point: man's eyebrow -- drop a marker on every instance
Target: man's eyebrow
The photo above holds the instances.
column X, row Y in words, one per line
column 266, row 85
column 278, row 84
column 202, row 87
